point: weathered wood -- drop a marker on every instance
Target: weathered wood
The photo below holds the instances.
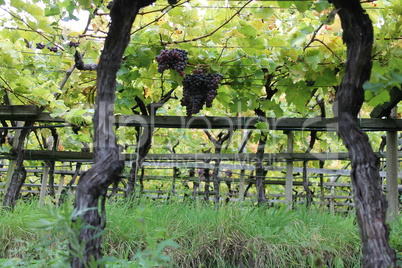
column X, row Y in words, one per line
column 211, row 122
column 392, row 173
column 296, row 124
column 93, row 185
column 18, row 171
column 289, row 172
column 370, row 202
column 19, row 112
column 44, row 184
column 61, row 183
column 66, row 156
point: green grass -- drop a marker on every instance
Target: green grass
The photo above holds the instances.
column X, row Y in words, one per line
column 153, row 234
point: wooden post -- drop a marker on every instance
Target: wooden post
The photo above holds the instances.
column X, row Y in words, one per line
column 12, row 163
column 289, row 172
column 241, row 185
column 392, row 172
column 332, row 199
column 61, row 183
column 44, row 185
column 242, row 149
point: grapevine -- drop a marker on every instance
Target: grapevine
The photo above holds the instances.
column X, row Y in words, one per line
column 199, row 88
column 53, row 49
column 40, row 46
column 172, row 59
column 73, row 44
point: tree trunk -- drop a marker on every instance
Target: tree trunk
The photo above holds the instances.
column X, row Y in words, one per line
column 107, row 165
column 371, row 205
column 19, row 175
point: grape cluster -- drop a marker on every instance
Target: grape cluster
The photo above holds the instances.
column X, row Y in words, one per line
column 199, row 88
column 40, row 46
column 172, row 59
column 53, row 49
column 73, row 44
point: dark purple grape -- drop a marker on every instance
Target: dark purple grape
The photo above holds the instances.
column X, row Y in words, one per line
column 175, row 59
column 40, row 46
column 73, row 44
column 53, row 49
column 199, row 88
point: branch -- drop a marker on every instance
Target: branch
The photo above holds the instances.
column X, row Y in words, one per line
column 64, row 81
column 172, row 149
column 32, row 29
column 229, row 61
column 214, row 31
column 17, row 95
column 208, row 133
column 329, row 49
column 141, row 105
column 80, row 65
column 158, row 18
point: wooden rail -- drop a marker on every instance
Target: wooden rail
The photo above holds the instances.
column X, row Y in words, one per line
column 66, row 156
column 31, row 112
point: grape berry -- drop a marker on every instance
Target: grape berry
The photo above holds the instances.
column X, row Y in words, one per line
column 73, row 44
column 199, row 88
column 53, row 49
column 172, row 59
column 40, row 46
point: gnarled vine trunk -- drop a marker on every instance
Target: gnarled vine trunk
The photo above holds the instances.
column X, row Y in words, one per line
column 371, row 205
column 107, row 165
column 20, row 174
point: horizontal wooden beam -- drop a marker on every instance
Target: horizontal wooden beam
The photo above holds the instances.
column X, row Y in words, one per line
column 19, row 112
column 283, row 124
column 31, row 112
column 67, row 156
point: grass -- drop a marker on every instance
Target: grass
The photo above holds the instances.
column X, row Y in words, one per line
column 154, row 234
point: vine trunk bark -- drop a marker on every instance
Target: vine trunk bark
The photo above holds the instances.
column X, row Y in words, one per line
column 93, row 185
column 19, row 175
column 370, row 202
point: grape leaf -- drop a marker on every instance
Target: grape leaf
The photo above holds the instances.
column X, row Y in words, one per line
column 52, row 10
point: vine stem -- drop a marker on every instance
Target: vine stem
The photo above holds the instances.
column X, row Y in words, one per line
column 214, row 31
column 322, row 42
column 158, row 18
column 33, row 29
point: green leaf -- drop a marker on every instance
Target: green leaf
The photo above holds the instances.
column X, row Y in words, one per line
column 375, row 88
column 52, row 10
column 379, row 99
column 276, row 42
column 302, row 6
column 223, row 98
column 284, row 3
column 297, row 39
column 322, row 5
column 262, row 126
column 298, row 95
column 313, row 57
column 145, row 57
column 396, row 77
column 264, row 13
column 248, row 30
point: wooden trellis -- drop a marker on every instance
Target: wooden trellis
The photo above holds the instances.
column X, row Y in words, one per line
column 288, row 125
